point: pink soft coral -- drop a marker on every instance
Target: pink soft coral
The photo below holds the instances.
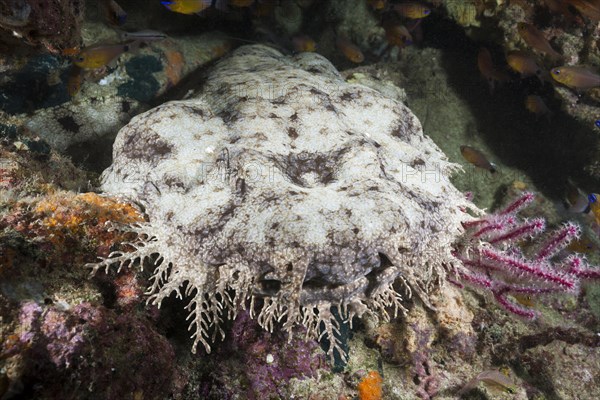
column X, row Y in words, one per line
column 492, row 258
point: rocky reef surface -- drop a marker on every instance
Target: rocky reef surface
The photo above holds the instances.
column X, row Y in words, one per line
column 567, row 35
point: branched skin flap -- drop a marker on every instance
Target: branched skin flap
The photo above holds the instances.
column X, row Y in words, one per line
column 280, row 187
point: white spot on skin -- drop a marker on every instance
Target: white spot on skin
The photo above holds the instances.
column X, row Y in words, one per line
column 270, row 358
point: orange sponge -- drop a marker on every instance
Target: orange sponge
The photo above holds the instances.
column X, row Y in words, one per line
column 369, row 387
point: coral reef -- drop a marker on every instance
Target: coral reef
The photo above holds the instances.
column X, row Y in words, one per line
column 58, row 349
column 57, row 340
column 275, row 363
column 284, row 220
column 579, row 367
column 66, row 226
column 53, row 24
column 357, row 22
column 556, row 361
column 64, row 334
column 28, row 165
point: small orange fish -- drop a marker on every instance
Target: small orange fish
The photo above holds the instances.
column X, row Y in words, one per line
column 575, row 77
column 485, row 63
column 114, row 13
column 412, row 10
column 488, row 69
column 535, row 104
column 582, row 245
column 477, row 158
column 523, row 63
column 98, row 56
column 536, row 39
column 524, row 299
column 187, row 6
column 587, row 8
column 302, row 43
column 70, row 51
column 377, row 4
column 74, row 80
column 561, row 7
column 397, row 35
column 350, row 50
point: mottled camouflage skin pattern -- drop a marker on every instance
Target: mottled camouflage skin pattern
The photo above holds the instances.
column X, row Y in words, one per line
column 280, row 187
